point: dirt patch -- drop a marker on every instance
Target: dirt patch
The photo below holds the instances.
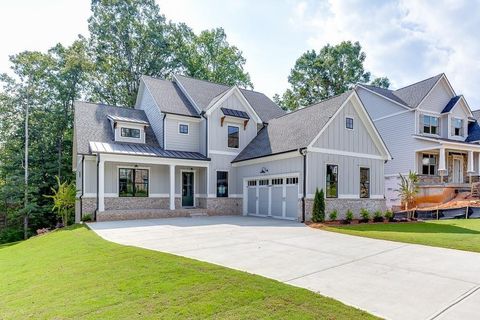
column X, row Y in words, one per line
column 463, row 199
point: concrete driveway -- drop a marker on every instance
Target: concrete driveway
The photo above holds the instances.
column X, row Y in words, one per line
column 392, row 280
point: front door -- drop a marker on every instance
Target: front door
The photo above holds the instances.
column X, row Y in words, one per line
column 457, row 170
column 187, row 189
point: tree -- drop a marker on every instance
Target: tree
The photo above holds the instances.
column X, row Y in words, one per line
column 408, row 188
column 128, row 39
column 318, row 214
column 63, row 199
column 209, row 56
column 329, row 72
column 381, row 82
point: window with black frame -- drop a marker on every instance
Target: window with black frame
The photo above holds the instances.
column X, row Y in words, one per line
column 222, row 184
column 364, row 183
column 429, row 164
column 132, row 182
column 430, row 124
column 331, row 185
column 130, row 133
column 233, row 137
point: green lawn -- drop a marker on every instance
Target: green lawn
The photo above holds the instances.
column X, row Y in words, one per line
column 76, row 274
column 454, row 234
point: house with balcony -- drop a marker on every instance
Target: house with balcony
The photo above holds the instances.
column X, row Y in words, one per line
column 429, row 129
column 192, row 147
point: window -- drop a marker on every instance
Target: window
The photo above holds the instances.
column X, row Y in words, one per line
column 430, row 124
column 364, row 183
column 263, row 182
column 429, row 164
column 222, row 184
column 332, row 181
column 130, row 133
column 292, row 180
column 349, row 123
column 277, row 181
column 233, row 133
column 183, row 128
column 252, row 183
column 457, row 127
column 133, row 182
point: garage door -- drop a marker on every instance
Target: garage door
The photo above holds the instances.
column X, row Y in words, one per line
column 275, row 197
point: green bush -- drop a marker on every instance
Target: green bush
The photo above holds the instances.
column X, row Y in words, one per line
column 378, row 216
column 87, row 217
column 348, row 217
column 333, row 215
column 364, row 214
column 318, row 214
column 389, row 215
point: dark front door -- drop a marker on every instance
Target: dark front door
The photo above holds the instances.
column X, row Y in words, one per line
column 187, row 189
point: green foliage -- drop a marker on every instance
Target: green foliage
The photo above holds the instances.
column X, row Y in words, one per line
column 326, row 73
column 408, row 188
column 365, row 214
column 333, row 215
column 382, row 82
column 63, row 199
column 348, row 216
column 87, row 217
column 389, row 215
column 378, row 216
column 318, row 214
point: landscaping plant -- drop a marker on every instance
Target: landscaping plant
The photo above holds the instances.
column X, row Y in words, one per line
column 63, row 199
column 365, row 215
column 408, row 189
column 333, row 215
column 318, row 214
column 389, row 215
column 348, row 217
column 378, row 216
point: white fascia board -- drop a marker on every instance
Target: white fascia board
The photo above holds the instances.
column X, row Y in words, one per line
column 234, row 90
column 466, row 107
column 382, row 96
column 451, row 144
column 179, row 117
column 152, row 160
column 346, row 153
column 281, row 156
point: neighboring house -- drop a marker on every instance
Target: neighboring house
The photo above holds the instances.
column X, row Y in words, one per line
column 195, row 147
column 428, row 129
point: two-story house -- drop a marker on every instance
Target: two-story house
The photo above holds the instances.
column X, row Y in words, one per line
column 428, row 129
column 195, row 147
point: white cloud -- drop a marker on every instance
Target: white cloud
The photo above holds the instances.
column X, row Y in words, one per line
column 406, row 40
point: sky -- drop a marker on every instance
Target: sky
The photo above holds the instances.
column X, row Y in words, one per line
column 404, row 40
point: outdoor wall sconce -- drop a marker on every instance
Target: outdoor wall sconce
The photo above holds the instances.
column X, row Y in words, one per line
column 264, row 170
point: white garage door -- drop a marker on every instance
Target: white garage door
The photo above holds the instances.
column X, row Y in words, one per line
column 276, row 197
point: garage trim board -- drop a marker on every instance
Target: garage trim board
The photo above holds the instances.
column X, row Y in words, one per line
column 273, row 196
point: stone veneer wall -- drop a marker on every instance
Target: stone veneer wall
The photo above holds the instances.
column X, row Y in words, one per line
column 221, row 206
column 342, row 205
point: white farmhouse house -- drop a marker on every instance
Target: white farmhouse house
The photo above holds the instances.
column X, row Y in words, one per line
column 192, row 147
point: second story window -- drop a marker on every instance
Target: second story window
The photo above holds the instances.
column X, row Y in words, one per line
column 349, row 123
column 233, row 137
column 457, row 127
column 130, row 133
column 183, row 128
column 430, row 124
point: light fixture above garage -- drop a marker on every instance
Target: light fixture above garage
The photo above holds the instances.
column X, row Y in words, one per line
column 264, row 170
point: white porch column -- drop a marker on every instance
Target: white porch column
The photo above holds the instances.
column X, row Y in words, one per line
column 470, row 164
column 441, row 164
column 172, row 187
column 101, row 185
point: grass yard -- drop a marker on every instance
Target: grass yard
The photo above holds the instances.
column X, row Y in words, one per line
column 76, row 274
column 453, row 234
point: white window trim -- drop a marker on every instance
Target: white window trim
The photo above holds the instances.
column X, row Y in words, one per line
column 462, row 128
column 194, row 188
column 228, row 182
column 238, row 127
column 360, row 167
column 117, row 178
column 436, row 155
column 433, row 115
column 183, row 124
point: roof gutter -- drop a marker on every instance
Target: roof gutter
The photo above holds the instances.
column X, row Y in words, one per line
column 303, row 152
column 163, row 124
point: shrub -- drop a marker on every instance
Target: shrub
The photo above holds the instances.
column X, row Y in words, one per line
column 333, row 215
column 87, row 217
column 365, row 215
column 389, row 215
column 318, row 214
column 348, row 217
column 378, row 216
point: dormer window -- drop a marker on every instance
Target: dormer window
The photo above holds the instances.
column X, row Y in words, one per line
column 130, row 133
column 457, row 127
column 183, row 128
column 430, row 124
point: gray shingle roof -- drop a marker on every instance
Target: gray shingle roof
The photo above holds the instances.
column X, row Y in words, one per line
column 409, row 96
column 292, row 131
column 92, row 124
column 476, row 114
column 169, row 97
column 204, row 92
column 143, row 150
column 451, row 104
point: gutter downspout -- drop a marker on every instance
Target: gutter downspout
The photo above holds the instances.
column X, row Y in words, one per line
column 81, row 195
column 98, row 186
column 163, row 128
column 206, row 133
column 303, row 152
